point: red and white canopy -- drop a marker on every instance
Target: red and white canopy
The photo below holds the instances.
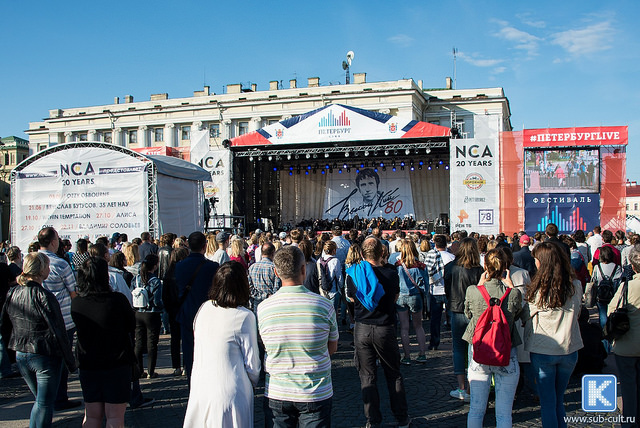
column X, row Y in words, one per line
column 339, row 123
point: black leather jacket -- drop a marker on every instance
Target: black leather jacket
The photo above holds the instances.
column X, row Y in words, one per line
column 164, row 256
column 38, row 326
column 456, row 281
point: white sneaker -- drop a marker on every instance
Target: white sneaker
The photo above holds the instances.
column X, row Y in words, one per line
column 460, row 394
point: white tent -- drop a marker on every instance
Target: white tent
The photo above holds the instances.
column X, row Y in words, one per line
column 94, row 189
column 633, row 224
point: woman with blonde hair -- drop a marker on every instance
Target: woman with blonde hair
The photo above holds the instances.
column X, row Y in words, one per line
column 495, row 282
column 39, row 336
column 237, row 252
column 414, row 281
column 132, row 255
column 212, row 246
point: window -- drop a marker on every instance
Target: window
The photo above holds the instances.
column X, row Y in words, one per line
column 635, row 206
column 40, row 148
column 272, row 121
column 214, row 130
column 133, row 137
column 186, row 133
column 6, row 157
column 82, row 137
column 106, row 136
column 13, row 158
column 158, row 135
column 627, row 207
column 243, row 128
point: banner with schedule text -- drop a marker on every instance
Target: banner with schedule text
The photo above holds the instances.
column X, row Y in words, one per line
column 81, row 192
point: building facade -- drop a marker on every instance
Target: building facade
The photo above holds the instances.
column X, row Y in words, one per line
column 165, row 122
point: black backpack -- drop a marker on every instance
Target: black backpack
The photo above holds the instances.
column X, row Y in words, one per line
column 607, row 286
column 324, row 277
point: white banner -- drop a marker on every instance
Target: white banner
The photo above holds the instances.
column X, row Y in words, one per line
column 218, row 163
column 80, row 192
column 368, row 194
column 199, row 144
column 474, row 184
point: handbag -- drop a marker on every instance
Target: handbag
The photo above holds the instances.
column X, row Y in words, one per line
column 618, row 322
column 590, row 292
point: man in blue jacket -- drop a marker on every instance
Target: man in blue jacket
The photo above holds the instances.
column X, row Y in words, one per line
column 194, row 276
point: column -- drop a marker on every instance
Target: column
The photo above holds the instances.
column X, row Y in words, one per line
column 91, row 135
column 226, row 129
column 116, row 138
column 256, row 123
column 54, row 138
column 169, row 135
column 143, row 137
column 196, row 126
column 68, row 136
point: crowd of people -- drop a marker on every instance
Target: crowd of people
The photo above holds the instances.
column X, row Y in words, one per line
column 268, row 305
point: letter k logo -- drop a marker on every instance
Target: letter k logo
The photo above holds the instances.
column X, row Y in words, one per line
column 599, row 393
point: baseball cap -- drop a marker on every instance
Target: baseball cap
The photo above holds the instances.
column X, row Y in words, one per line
column 222, row 237
column 282, row 235
column 524, row 239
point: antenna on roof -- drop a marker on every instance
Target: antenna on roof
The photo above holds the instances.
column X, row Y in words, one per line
column 455, row 55
column 346, row 64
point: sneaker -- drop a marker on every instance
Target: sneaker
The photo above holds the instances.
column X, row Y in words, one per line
column 460, row 394
column 146, row 403
column 152, row 375
column 405, row 361
column 421, row 359
column 144, row 375
column 184, row 372
column 177, row 372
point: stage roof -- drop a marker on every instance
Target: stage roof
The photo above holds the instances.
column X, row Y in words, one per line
column 339, row 123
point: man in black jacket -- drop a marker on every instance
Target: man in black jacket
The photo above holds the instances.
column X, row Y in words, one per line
column 523, row 258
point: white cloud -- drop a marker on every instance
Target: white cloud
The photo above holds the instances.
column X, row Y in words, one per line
column 522, row 39
column 499, row 70
column 479, row 62
column 527, row 20
column 585, row 41
column 401, row 40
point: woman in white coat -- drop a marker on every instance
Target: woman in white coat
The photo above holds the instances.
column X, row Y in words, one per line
column 226, row 365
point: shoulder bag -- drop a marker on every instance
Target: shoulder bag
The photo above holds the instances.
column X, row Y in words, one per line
column 618, row 322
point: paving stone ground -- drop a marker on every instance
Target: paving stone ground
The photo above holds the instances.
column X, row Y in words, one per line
column 427, row 388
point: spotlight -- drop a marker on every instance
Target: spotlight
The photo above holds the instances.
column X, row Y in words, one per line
column 345, row 166
column 429, row 167
column 381, row 163
column 346, row 154
column 323, row 171
column 308, row 166
column 357, row 171
column 402, row 163
column 340, row 171
column 428, row 150
column 395, row 152
column 308, row 156
column 297, row 157
column 270, row 158
column 386, row 152
column 326, row 166
column 375, row 169
column 290, row 172
column 361, row 165
column 326, row 155
column 315, row 156
column 289, row 156
column 250, row 158
column 446, row 167
column 275, row 168
column 306, row 173
column 290, row 168
column 366, row 152
column 407, row 151
column 441, row 162
column 412, row 168
column 393, row 169
column 420, row 163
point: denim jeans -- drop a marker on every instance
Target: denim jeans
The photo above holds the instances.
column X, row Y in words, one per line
column 436, row 303
column 602, row 313
column 552, row 375
column 335, row 301
column 506, row 380
column 629, row 377
column 42, row 375
column 379, row 342
column 459, row 323
column 285, row 414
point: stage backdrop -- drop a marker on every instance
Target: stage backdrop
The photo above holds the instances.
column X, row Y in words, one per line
column 422, row 194
column 568, row 211
column 81, row 192
column 474, row 204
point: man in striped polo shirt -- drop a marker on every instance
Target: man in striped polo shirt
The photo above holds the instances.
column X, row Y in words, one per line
column 299, row 332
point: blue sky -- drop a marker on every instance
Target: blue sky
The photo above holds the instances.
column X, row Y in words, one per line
column 561, row 63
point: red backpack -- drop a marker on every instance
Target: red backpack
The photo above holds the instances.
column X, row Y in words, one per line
column 492, row 336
